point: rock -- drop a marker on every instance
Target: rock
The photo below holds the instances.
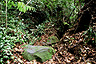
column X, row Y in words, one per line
column 52, row 39
column 40, row 53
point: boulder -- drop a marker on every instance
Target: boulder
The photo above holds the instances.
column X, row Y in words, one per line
column 39, row 53
column 52, row 39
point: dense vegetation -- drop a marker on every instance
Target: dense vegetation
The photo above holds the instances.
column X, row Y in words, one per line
column 24, row 21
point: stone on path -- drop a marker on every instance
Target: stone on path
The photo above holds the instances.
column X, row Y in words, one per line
column 52, row 39
column 40, row 53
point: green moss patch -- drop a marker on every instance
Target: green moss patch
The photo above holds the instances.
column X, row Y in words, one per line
column 40, row 53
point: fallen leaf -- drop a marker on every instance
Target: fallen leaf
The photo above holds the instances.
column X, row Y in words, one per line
column 20, row 60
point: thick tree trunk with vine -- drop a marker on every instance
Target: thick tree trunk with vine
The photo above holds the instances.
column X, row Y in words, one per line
column 87, row 15
column 86, row 18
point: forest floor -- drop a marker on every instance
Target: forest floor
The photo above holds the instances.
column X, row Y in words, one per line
column 72, row 50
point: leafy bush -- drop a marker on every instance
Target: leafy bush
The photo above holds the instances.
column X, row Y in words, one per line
column 8, row 38
column 90, row 35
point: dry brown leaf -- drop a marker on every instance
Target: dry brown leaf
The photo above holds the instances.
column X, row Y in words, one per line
column 20, row 60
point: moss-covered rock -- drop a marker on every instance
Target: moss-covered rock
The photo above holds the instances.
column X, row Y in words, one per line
column 40, row 53
column 52, row 39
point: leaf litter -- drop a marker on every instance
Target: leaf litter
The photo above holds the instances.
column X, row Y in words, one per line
column 71, row 50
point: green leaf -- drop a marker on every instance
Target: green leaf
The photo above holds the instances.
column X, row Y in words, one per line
column 24, row 9
column 5, row 56
column 65, row 23
column 29, row 8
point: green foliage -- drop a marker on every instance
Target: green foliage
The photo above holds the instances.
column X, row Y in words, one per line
column 23, row 8
column 10, row 4
column 15, row 33
column 89, row 35
column 8, row 38
column 56, row 10
column 5, row 44
column 40, row 29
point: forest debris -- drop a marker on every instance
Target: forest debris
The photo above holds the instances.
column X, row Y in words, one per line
column 20, row 60
column 8, row 61
column 88, row 63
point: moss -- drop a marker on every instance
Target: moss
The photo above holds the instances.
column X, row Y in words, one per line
column 40, row 53
column 53, row 39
